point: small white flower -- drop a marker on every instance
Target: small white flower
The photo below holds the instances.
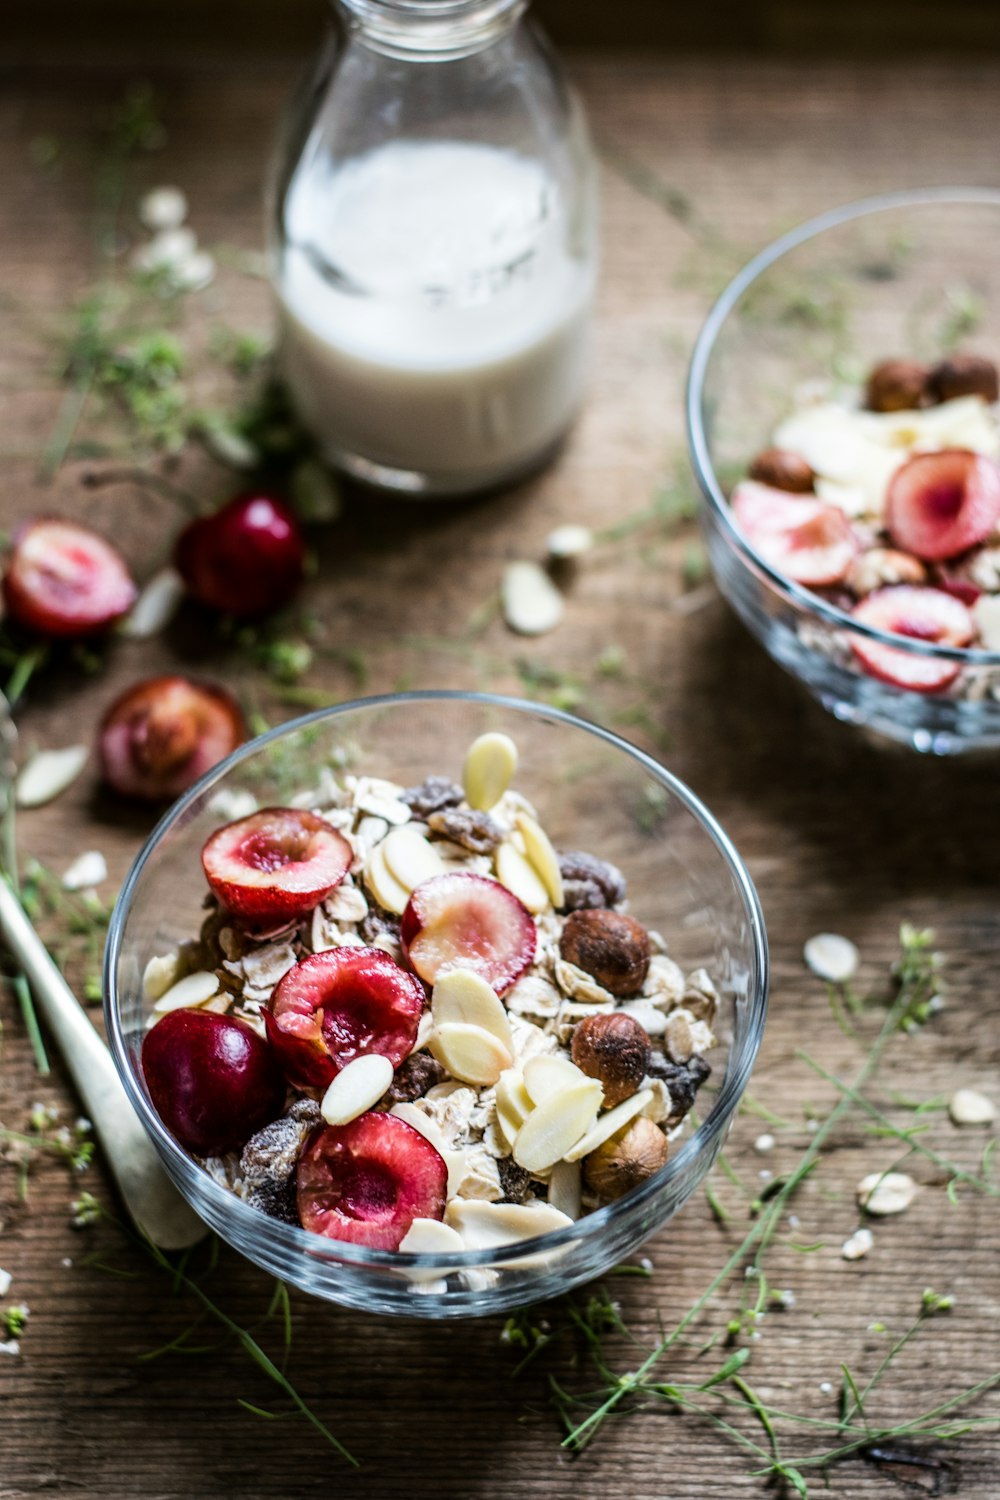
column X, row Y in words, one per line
column 86, row 871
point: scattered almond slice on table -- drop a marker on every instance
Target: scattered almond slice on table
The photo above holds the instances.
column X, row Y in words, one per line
column 531, row 603
column 885, row 1193
column 48, row 774
column 969, row 1107
column 832, row 957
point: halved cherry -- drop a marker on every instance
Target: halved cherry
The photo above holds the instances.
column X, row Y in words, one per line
column 275, row 865
column 64, row 580
column 940, row 504
column 162, row 734
column 803, row 538
column 213, row 1081
column 335, row 1006
column 246, row 559
column 465, row 921
column 922, row 614
column 367, row 1181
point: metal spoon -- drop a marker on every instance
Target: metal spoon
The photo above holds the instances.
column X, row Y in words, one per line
column 148, row 1193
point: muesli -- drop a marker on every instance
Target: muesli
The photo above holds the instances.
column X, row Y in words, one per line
column 409, row 1023
column 885, row 500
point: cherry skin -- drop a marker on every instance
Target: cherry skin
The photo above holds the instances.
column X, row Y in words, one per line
column 163, row 733
column 246, row 559
column 64, row 581
column 213, row 1081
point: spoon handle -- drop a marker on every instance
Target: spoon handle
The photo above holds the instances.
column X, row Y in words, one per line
column 149, row 1195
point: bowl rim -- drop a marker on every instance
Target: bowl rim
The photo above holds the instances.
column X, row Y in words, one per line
column 701, row 357
column 347, row 1254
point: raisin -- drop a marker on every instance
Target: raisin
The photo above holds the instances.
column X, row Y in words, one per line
column 432, row 795
column 269, row 1157
column 683, row 1080
column 475, row 831
column 277, row 1200
column 589, row 882
column 376, row 924
column 413, row 1078
column 514, row 1180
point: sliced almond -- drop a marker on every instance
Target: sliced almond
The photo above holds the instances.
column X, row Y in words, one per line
column 609, row 1123
column 155, row 607
column 488, row 1226
column 564, row 1189
column 86, row 871
column 48, row 773
column 470, row 1053
column 410, row 858
column 555, row 1126
column 531, row 603
column 489, row 768
column 518, row 875
column 188, row 993
column 430, row 1237
column 356, row 1088
column 383, row 884
column 428, row 1128
column 461, row 995
column 545, row 1075
column 543, row 858
column 159, row 974
column 513, row 1103
column 884, row 1193
column 969, row 1107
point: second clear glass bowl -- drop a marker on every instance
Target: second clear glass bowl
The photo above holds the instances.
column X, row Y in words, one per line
column 909, row 274
column 593, row 792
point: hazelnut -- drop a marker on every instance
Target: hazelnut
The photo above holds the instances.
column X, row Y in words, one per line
column 899, row 385
column 613, row 1048
column 626, row 1160
column 965, row 375
column 612, row 948
column 783, row 470
column 881, row 566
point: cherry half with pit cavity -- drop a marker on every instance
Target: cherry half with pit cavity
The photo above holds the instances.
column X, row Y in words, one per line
column 246, row 559
column 941, row 504
column 801, row 537
column 275, row 865
column 339, row 1005
column 213, row 1081
column 367, row 1181
column 921, row 614
column 466, row 921
column 64, row 581
column 162, row 734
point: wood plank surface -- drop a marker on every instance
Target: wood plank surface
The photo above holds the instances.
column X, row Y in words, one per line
column 840, row 833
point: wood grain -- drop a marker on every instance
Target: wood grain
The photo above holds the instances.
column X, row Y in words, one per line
column 840, row 833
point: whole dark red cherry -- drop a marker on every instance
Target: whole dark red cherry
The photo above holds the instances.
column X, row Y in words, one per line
column 246, row 559
column 213, row 1081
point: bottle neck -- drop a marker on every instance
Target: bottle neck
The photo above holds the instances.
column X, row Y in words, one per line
column 430, row 30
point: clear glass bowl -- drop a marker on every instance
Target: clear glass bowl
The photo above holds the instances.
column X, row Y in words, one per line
column 908, row 274
column 594, row 792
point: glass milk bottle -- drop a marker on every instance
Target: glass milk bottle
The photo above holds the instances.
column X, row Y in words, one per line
column 434, row 247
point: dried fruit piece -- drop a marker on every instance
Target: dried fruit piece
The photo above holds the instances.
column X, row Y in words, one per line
column 554, row 1127
column 356, row 1088
column 336, row 1006
column 613, row 1049
column 899, row 385
column 489, row 768
column 475, row 831
column 804, row 539
column 63, row 580
column 965, row 375
column 276, row 864
column 940, row 504
column 589, row 882
column 610, row 946
column 465, row 921
column 366, row 1182
column 414, row 1077
column 783, row 470
column 161, row 735
column 432, row 795
column 683, row 1080
column 620, row 1165
column 885, row 1193
column 246, row 559
column 461, row 995
column 923, row 614
column 514, row 1180
column 542, row 856
column 519, row 876
column 470, row 1053
column 212, row 1080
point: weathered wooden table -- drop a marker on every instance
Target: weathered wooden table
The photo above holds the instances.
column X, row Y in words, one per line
column 840, row 834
